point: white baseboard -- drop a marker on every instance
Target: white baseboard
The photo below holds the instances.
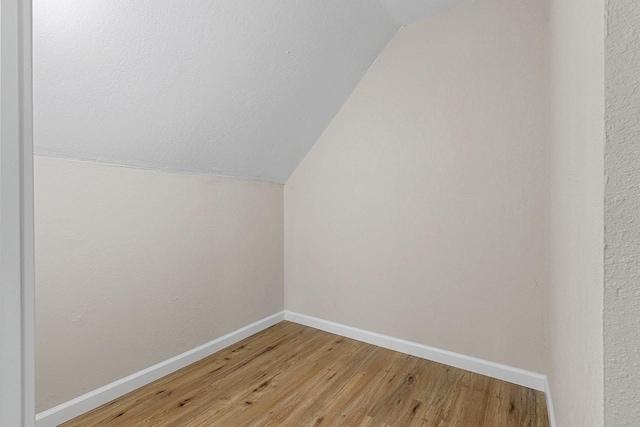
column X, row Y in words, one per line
column 550, row 411
column 107, row 393
column 495, row 370
column 78, row 406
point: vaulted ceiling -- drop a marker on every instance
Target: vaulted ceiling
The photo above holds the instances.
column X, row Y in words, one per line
column 232, row 87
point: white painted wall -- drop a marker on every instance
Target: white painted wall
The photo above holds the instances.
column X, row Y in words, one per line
column 136, row 266
column 409, row 11
column 420, row 212
column 576, row 191
column 622, row 215
column 232, row 87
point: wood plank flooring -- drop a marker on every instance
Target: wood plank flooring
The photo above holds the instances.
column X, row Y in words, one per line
column 292, row 375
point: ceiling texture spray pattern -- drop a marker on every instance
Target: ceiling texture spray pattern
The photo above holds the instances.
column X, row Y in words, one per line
column 238, row 88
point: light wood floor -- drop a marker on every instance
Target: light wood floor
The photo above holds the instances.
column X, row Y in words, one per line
column 292, row 375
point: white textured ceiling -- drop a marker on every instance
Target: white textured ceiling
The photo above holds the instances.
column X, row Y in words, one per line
column 233, row 87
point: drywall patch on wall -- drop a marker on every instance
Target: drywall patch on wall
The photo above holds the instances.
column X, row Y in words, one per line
column 420, row 212
column 232, row 87
column 575, row 212
column 409, row 11
column 622, row 214
column 136, row 266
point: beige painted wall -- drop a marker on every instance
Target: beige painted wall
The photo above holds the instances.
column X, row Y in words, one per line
column 420, row 212
column 136, row 266
column 622, row 215
column 576, row 182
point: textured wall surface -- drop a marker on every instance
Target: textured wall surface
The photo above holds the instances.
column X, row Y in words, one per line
column 135, row 266
column 420, row 212
column 410, row 11
column 232, row 87
column 575, row 211
column 622, row 215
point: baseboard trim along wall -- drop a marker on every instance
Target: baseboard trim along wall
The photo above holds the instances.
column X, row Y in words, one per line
column 550, row 411
column 510, row 374
column 71, row 409
column 495, row 370
column 107, row 393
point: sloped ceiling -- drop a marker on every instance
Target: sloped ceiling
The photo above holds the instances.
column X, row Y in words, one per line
column 232, row 87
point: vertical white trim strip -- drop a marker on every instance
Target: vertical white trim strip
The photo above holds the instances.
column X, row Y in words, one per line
column 17, row 397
